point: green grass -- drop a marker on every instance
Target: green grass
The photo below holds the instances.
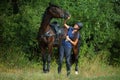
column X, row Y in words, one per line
column 14, row 66
column 34, row 72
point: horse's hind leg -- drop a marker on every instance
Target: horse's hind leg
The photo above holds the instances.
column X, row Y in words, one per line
column 76, row 64
column 76, row 53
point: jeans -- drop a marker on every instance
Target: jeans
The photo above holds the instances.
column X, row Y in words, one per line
column 67, row 52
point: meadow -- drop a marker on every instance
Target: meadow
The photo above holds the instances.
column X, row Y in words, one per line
column 100, row 39
column 87, row 71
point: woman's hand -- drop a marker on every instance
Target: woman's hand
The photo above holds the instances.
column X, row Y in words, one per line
column 66, row 21
column 69, row 17
column 73, row 42
column 67, row 38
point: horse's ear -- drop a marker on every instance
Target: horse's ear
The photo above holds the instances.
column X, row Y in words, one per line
column 50, row 4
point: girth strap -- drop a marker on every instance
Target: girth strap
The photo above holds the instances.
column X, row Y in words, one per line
column 47, row 34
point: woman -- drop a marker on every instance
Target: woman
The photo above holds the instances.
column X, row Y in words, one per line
column 67, row 44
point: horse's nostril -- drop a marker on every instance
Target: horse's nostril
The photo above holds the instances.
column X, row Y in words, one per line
column 62, row 16
column 66, row 15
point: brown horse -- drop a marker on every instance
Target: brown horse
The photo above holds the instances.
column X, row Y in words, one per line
column 46, row 35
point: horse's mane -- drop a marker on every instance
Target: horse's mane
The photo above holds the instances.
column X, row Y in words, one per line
column 50, row 5
column 53, row 5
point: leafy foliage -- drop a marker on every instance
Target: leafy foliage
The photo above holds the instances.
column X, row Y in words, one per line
column 101, row 21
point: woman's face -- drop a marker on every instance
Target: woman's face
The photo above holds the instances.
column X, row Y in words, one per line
column 76, row 28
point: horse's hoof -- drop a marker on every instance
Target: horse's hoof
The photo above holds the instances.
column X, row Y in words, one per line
column 47, row 70
column 44, row 71
column 68, row 73
column 76, row 72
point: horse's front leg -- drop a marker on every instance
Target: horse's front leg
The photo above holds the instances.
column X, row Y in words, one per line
column 44, row 59
column 49, row 57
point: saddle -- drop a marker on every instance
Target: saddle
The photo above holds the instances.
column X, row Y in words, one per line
column 57, row 30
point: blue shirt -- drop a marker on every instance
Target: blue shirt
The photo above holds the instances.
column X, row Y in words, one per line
column 71, row 36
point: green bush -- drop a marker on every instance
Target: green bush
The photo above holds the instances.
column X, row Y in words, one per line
column 100, row 19
column 13, row 57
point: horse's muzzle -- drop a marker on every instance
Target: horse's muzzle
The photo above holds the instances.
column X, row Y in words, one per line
column 66, row 15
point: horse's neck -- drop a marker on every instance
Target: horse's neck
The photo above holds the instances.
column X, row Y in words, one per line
column 45, row 22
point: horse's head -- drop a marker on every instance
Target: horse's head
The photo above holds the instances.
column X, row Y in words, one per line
column 56, row 11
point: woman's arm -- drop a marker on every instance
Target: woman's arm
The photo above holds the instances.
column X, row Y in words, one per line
column 65, row 22
column 73, row 42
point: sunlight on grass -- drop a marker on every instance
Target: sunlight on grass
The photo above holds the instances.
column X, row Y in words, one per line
column 93, row 73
